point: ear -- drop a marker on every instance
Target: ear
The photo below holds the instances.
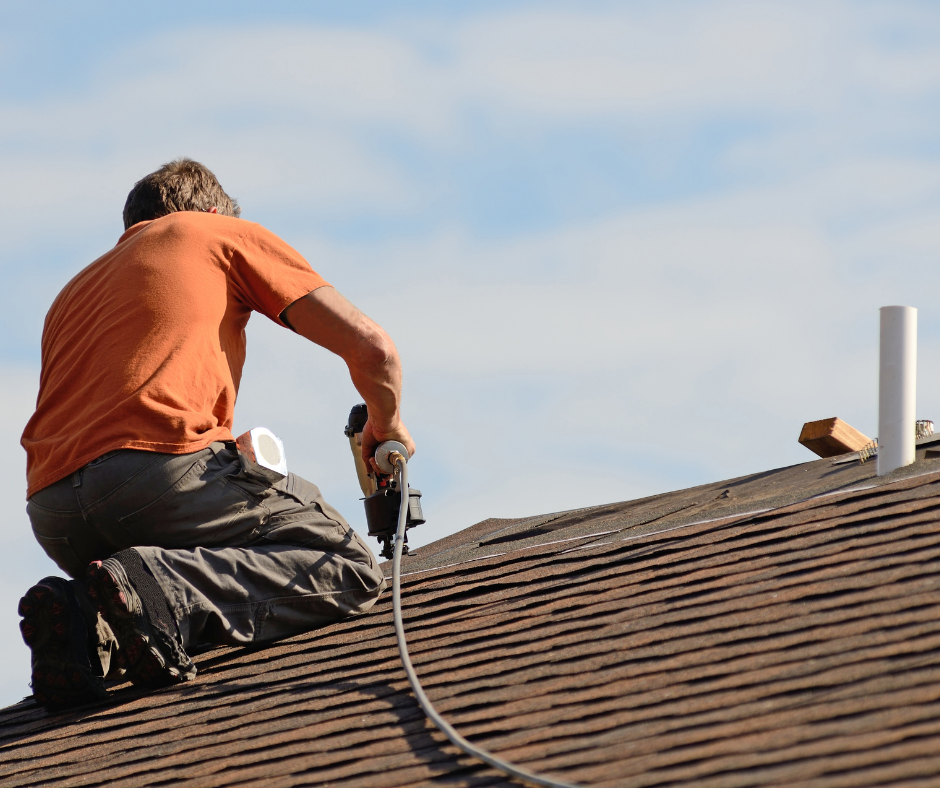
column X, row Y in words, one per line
column 213, row 209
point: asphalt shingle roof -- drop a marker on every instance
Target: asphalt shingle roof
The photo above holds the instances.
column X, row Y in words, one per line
column 779, row 629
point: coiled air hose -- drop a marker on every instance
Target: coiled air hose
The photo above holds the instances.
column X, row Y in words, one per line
column 401, row 468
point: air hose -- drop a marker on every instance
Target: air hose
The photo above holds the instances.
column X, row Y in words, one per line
column 401, row 469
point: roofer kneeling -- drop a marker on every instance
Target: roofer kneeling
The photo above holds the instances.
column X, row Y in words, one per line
column 135, row 485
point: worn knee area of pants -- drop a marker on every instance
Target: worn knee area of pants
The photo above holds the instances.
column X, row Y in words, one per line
column 235, row 595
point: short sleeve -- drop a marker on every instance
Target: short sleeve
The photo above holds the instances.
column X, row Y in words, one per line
column 268, row 275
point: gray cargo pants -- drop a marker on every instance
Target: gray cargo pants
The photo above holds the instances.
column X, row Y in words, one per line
column 239, row 560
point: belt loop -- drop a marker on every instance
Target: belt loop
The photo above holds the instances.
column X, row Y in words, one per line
column 77, row 478
column 219, row 446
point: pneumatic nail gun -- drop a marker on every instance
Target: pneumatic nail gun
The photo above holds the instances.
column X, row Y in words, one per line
column 382, row 498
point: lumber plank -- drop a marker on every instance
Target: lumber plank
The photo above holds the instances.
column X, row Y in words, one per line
column 832, row 437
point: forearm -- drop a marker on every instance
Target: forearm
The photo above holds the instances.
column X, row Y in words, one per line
column 329, row 320
column 376, row 374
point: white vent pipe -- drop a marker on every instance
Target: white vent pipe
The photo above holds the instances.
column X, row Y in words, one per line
column 897, row 388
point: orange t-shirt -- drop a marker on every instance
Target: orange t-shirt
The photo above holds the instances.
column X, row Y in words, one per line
column 144, row 348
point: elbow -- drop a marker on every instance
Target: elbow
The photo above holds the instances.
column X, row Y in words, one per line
column 376, row 351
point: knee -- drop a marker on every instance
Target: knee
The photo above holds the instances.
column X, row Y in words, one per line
column 373, row 577
column 370, row 574
column 376, row 590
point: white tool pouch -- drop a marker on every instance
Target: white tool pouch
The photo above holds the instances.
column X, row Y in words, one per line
column 262, row 454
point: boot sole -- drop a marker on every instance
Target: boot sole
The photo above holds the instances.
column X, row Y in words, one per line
column 138, row 653
column 59, row 677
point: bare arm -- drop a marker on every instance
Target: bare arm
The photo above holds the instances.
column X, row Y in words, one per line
column 329, row 320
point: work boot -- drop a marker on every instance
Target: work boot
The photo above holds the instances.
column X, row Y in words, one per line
column 58, row 624
column 131, row 601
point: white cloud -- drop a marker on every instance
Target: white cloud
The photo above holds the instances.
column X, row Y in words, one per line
column 670, row 60
column 302, row 116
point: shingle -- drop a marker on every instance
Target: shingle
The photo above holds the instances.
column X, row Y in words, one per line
column 777, row 629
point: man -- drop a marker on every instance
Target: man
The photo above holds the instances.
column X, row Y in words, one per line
column 135, row 487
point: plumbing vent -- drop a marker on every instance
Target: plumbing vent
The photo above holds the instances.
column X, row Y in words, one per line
column 898, row 430
column 897, row 386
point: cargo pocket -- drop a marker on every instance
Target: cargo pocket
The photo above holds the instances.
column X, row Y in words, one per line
column 300, row 516
column 199, row 509
column 302, row 491
column 60, row 550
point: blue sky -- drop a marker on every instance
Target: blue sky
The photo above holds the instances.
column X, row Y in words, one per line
column 623, row 248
